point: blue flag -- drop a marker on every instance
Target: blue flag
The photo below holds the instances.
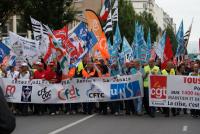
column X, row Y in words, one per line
column 148, row 46
column 81, row 31
column 4, row 51
column 127, row 50
column 110, row 47
column 117, row 38
column 161, row 46
column 180, row 40
column 140, row 44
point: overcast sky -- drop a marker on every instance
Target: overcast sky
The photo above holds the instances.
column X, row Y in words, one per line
column 184, row 10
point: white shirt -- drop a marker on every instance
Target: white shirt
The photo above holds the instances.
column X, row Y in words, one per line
column 14, row 74
column 25, row 76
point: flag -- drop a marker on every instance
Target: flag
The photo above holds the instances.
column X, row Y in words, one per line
column 168, row 53
column 115, row 13
column 102, row 48
column 83, row 40
column 105, row 10
column 24, row 48
column 110, row 47
column 148, row 46
column 4, row 51
column 140, row 44
column 127, row 50
column 40, row 33
column 180, row 40
column 94, row 24
column 117, row 38
column 161, row 46
column 187, row 37
column 108, row 27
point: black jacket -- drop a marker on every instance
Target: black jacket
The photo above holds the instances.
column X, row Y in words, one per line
column 7, row 119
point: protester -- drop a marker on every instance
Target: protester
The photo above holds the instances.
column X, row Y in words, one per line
column 169, row 70
column 137, row 70
column 154, row 70
column 194, row 112
column 39, row 74
column 24, row 73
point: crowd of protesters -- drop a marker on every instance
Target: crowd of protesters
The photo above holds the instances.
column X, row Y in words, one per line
column 100, row 68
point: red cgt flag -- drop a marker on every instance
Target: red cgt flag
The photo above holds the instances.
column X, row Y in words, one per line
column 168, row 53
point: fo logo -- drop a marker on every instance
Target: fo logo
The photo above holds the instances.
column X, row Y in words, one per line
column 158, row 87
column 69, row 94
column 10, row 90
column 44, row 94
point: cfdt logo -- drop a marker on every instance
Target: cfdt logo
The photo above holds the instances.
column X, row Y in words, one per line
column 69, row 94
column 44, row 94
column 158, row 86
column 125, row 90
column 95, row 93
column 10, row 90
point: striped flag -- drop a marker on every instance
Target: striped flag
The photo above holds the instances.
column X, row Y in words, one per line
column 115, row 13
column 105, row 10
column 40, row 33
column 108, row 27
column 186, row 37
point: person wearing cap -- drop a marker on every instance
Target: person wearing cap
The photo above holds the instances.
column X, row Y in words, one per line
column 39, row 74
column 151, row 68
column 24, row 73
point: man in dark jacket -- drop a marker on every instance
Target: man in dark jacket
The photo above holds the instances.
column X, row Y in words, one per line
column 7, row 119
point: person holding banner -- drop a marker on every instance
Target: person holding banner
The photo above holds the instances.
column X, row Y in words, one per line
column 151, row 68
column 24, row 73
column 169, row 70
column 88, row 72
column 115, row 105
column 39, row 74
column 136, row 69
column 194, row 112
column 13, row 74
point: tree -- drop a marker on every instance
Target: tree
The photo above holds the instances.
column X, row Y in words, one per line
column 126, row 19
column 55, row 13
column 171, row 34
column 147, row 20
column 7, row 8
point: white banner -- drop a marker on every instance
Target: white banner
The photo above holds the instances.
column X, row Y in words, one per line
column 24, row 48
column 72, row 91
column 175, row 91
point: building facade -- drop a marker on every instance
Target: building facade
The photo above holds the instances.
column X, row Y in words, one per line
column 150, row 6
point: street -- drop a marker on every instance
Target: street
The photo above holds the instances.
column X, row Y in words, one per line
column 106, row 124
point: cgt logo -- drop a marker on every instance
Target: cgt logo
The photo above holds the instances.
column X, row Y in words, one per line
column 95, row 93
column 69, row 94
column 125, row 90
column 45, row 94
column 10, row 90
column 158, row 86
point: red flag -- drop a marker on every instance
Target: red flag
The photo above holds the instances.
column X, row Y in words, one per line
column 105, row 10
column 168, row 53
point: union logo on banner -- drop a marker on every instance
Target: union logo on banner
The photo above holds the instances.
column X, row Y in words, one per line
column 158, row 85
